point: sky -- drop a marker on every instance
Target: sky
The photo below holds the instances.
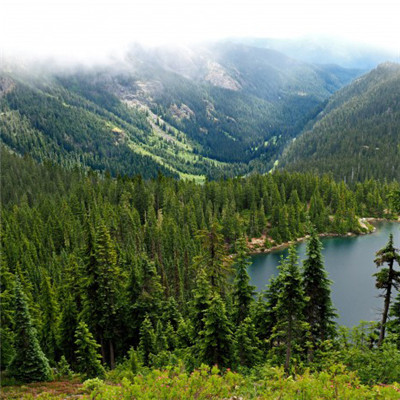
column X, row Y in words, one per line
column 92, row 28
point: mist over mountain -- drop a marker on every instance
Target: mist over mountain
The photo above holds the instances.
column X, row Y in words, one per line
column 320, row 50
column 212, row 109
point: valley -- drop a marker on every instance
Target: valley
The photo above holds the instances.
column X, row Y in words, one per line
column 135, row 191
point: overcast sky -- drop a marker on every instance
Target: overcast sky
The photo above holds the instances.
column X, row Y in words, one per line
column 89, row 28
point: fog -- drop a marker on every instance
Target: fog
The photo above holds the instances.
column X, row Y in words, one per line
column 98, row 30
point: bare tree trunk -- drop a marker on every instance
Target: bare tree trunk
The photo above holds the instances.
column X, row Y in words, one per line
column 386, row 306
column 288, row 346
column 103, row 350
column 112, row 356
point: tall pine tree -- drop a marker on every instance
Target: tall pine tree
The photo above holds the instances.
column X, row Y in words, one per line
column 243, row 292
column 386, row 279
column 318, row 311
column 87, row 356
column 216, row 341
column 290, row 326
column 29, row 363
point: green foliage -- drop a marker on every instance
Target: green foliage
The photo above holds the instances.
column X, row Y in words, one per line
column 216, row 341
column 356, row 136
column 147, row 344
column 87, row 356
column 319, row 311
column 387, row 279
column 291, row 328
column 110, row 252
column 64, row 369
column 243, row 292
column 266, row 383
column 29, row 363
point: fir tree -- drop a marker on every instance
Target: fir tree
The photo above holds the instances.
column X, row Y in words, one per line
column 29, row 363
column 243, row 292
column 394, row 324
column 147, row 344
column 247, row 343
column 318, row 311
column 213, row 258
column 7, row 314
column 387, row 278
column 160, row 338
column 216, row 341
column 50, row 318
column 101, row 287
column 87, row 356
column 290, row 326
column 67, row 328
column 200, row 302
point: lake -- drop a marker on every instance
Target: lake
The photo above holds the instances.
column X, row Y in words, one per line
column 349, row 262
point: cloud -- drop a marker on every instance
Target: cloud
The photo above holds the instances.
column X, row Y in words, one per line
column 95, row 28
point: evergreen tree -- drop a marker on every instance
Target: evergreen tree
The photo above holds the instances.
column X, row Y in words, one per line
column 387, row 278
column 87, row 356
column 50, row 318
column 213, row 258
column 67, row 328
column 247, row 343
column 6, row 314
column 291, row 326
column 266, row 313
column 394, row 323
column 243, row 292
column 318, row 311
column 147, row 344
column 216, row 341
column 160, row 338
column 200, row 302
column 29, row 363
column 101, row 285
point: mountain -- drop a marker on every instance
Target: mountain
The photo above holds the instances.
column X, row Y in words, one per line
column 211, row 110
column 326, row 50
column 357, row 135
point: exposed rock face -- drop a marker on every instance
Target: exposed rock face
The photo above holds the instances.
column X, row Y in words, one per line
column 219, row 77
column 182, row 112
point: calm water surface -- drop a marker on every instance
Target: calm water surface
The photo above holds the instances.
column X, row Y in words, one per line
column 350, row 265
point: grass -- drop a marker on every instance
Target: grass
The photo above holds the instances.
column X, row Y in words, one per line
column 56, row 390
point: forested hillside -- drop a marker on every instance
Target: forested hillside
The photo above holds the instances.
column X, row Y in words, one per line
column 213, row 111
column 152, row 271
column 357, row 135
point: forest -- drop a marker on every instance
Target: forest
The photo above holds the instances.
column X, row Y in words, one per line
column 140, row 286
column 356, row 136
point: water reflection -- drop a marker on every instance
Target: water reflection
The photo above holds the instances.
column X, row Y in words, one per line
column 350, row 265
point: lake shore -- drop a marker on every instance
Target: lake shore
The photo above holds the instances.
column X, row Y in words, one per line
column 256, row 245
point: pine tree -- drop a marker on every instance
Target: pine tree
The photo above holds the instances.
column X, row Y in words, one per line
column 213, row 258
column 87, row 356
column 394, row 323
column 265, row 316
column 216, row 341
column 67, row 328
column 318, row 311
column 243, row 292
column 160, row 338
column 147, row 344
column 200, row 302
column 387, row 278
column 247, row 343
column 29, row 363
column 101, row 285
column 7, row 314
column 290, row 326
column 50, row 317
